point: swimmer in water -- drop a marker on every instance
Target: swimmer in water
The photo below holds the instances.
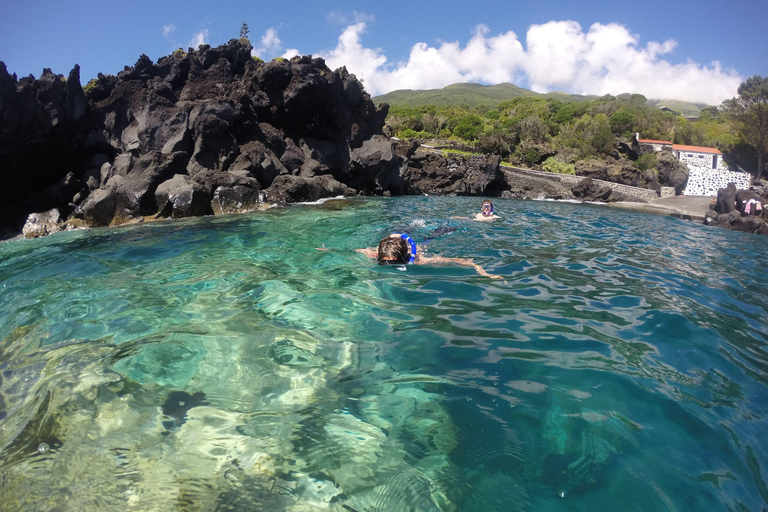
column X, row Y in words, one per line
column 486, row 213
column 400, row 249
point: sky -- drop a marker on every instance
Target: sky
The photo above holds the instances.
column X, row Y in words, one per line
column 690, row 50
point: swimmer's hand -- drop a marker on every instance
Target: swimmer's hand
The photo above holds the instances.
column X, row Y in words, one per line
column 369, row 251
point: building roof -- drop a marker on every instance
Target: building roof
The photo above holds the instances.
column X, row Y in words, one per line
column 696, row 149
column 651, row 141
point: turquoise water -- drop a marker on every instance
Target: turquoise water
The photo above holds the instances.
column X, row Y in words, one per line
column 226, row 364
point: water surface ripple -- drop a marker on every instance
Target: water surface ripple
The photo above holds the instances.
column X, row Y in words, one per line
column 227, row 364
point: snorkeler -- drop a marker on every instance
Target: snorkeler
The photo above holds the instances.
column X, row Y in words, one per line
column 486, row 213
column 400, row 249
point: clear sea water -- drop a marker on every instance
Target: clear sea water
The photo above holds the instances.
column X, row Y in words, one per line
column 226, row 364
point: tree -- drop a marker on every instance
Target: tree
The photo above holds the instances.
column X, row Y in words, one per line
column 749, row 111
column 244, row 31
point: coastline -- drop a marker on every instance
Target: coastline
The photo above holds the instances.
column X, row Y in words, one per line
column 684, row 207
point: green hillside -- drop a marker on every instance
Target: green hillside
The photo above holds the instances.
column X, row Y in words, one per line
column 470, row 95
column 681, row 107
column 477, row 95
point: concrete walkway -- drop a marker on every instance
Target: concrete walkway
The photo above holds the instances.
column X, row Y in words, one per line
column 685, row 207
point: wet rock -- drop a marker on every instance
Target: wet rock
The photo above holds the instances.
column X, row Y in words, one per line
column 98, row 209
column 726, row 199
column 42, row 224
column 236, row 199
column 181, row 197
column 289, row 189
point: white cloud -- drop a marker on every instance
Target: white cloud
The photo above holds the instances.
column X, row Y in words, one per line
column 168, row 29
column 199, row 38
column 363, row 62
column 270, row 45
column 559, row 55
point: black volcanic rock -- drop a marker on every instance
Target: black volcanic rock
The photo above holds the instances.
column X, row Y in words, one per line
column 439, row 174
column 199, row 114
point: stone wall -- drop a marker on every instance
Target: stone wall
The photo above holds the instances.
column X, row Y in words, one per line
column 706, row 182
column 642, row 194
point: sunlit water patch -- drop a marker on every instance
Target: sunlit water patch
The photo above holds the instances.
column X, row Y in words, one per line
column 228, row 364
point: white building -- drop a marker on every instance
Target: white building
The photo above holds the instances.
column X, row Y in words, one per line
column 707, row 171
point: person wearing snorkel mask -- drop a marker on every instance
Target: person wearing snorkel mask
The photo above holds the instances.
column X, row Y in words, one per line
column 400, row 249
column 486, row 213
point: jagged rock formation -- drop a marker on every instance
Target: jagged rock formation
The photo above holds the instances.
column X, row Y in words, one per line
column 207, row 131
column 214, row 131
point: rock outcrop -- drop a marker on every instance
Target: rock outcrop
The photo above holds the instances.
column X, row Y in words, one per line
column 214, row 131
column 617, row 171
column 730, row 210
column 205, row 131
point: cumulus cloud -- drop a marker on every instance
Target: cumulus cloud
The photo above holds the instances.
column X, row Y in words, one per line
column 270, row 45
column 558, row 55
column 168, row 29
column 199, row 38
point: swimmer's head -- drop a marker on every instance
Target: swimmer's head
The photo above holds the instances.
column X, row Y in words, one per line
column 393, row 250
column 487, row 208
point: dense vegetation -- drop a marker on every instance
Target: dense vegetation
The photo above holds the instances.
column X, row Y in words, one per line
column 552, row 132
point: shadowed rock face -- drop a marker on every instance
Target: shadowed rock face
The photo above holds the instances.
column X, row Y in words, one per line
column 215, row 116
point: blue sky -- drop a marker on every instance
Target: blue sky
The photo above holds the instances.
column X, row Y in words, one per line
column 673, row 49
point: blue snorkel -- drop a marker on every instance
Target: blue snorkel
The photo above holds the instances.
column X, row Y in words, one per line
column 411, row 243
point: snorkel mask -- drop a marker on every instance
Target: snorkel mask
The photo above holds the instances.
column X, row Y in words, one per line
column 487, row 209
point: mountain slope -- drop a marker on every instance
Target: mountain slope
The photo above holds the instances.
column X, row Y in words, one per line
column 477, row 95
column 472, row 95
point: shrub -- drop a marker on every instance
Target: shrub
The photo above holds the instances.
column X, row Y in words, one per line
column 553, row 165
column 495, row 142
column 623, row 120
column 646, row 161
column 532, row 156
column 469, row 127
column 90, row 85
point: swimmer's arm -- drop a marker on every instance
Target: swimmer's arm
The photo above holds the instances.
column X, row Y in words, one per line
column 465, row 218
column 466, row 262
column 369, row 251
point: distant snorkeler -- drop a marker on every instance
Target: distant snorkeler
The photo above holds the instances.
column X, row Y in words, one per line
column 400, row 249
column 486, row 213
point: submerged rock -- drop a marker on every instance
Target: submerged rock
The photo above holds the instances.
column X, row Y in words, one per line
column 177, row 405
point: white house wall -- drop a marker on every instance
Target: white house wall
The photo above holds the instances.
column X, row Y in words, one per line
column 703, row 180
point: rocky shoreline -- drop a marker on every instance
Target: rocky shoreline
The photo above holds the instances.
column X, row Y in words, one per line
column 215, row 131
